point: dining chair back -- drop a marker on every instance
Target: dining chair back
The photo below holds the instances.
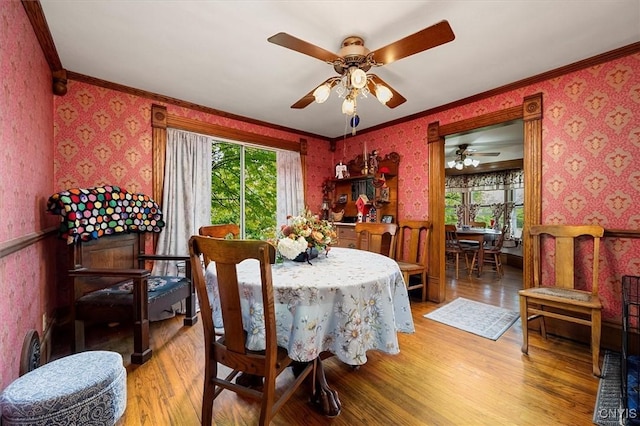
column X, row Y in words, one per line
column 223, row 230
column 478, row 224
column 453, row 248
column 230, row 349
column 379, row 237
column 555, row 295
column 411, row 252
column 491, row 255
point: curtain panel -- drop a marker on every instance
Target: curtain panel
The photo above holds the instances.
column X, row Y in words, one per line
column 187, row 194
column 290, row 198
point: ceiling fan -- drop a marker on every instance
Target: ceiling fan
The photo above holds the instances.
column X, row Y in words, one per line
column 463, row 157
column 354, row 60
column 471, row 152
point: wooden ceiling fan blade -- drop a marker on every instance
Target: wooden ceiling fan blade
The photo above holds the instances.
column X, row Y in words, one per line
column 483, row 154
column 294, row 43
column 425, row 39
column 396, row 100
column 307, row 99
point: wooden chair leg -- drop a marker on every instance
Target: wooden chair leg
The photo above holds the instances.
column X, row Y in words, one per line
column 595, row 341
column 525, row 324
column 424, row 286
column 457, row 262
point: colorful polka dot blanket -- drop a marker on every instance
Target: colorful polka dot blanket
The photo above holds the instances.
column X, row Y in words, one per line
column 88, row 214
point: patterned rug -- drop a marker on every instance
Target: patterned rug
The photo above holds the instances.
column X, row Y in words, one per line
column 608, row 410
column 475, row 317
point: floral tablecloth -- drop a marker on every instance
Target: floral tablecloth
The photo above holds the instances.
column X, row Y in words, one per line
column 347, row 303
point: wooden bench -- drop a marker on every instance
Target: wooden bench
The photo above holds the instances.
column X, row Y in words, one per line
column 111, row 284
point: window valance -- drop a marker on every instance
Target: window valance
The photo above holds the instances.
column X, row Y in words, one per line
column 504, row 179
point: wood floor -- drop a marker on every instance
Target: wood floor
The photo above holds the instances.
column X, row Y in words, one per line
column 442, row 376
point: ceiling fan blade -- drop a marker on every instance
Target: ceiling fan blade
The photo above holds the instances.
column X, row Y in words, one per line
column 293, row 43
column 397, row 98
column 309, row 98
column 427, row 38
column 483, row 154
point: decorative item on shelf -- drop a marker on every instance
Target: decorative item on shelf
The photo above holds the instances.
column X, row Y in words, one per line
column 342, row 171
column 387, row 219
column 302, row 234
column 336, row 216
column 325, row 209
column 342, row 198
column 384, row 195
column 361, row 205
column 373, row 215
column 373, row 162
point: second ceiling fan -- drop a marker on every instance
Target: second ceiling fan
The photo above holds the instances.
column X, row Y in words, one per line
column 354, row 60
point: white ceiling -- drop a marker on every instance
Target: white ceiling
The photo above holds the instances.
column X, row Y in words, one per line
column 216, row 54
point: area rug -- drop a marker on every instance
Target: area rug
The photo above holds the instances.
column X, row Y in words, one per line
column 475, row 317
column 608, row 410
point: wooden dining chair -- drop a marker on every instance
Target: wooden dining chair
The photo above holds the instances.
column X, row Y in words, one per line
column 224, row 230
column 411, row 252
column 555, row 295
column 453, row 249
column 377, row 237
column 492, row 255
column 230, row 349
column 478, row 224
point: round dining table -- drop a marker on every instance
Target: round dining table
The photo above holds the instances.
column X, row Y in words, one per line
column 343, row 303
column 346, row 302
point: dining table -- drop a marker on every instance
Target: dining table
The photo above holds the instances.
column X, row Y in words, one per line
column 479, row 235
column 344, row 303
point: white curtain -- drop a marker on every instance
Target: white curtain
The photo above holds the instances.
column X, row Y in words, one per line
column 186, row 200
column 290, row 193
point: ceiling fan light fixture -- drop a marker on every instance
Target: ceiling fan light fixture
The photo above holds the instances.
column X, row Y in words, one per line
column 358, row 78
column 467, row 161
column 322, row 93
column 383, row 94
column 475, row 163
column 451, row 164
column 349, row 106
column 459, row 165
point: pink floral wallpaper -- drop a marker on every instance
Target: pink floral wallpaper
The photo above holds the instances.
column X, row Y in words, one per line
column 591, row 159
column 26, row 137
column 93, row 136
column 103, row 136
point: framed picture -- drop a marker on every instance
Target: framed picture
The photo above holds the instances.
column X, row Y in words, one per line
column 342, row 198
column 387, row 218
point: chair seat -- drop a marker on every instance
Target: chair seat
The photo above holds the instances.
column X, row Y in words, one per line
column 409, row 267
column 584, row 298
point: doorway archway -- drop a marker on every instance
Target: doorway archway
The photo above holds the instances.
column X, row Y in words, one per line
column 530, row 111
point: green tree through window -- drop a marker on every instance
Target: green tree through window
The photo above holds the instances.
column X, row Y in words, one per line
column 243, row 188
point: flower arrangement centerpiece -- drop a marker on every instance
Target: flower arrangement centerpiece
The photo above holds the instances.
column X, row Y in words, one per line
column 303, row 233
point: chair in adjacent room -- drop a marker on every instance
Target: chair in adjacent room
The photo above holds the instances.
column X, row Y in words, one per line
column 492, row 255
column 478, row 224
column 555, row 295
column 230, row 349
column 411, row 252
column 453, row 249
column 377, row 237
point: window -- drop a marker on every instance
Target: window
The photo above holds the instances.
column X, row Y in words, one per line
column 480, row 197
column 244, row 188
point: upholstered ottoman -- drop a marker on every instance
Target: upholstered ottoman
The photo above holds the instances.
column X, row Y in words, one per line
column 88, row 388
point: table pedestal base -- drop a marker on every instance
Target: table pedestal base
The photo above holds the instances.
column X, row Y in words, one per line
column 325, row 398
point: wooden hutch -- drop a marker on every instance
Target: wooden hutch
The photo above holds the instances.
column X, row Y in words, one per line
column 377, row 179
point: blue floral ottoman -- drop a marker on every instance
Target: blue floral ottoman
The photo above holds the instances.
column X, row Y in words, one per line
column 88, row 388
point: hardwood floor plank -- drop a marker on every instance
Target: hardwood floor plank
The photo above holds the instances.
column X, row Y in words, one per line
column 442, row 376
